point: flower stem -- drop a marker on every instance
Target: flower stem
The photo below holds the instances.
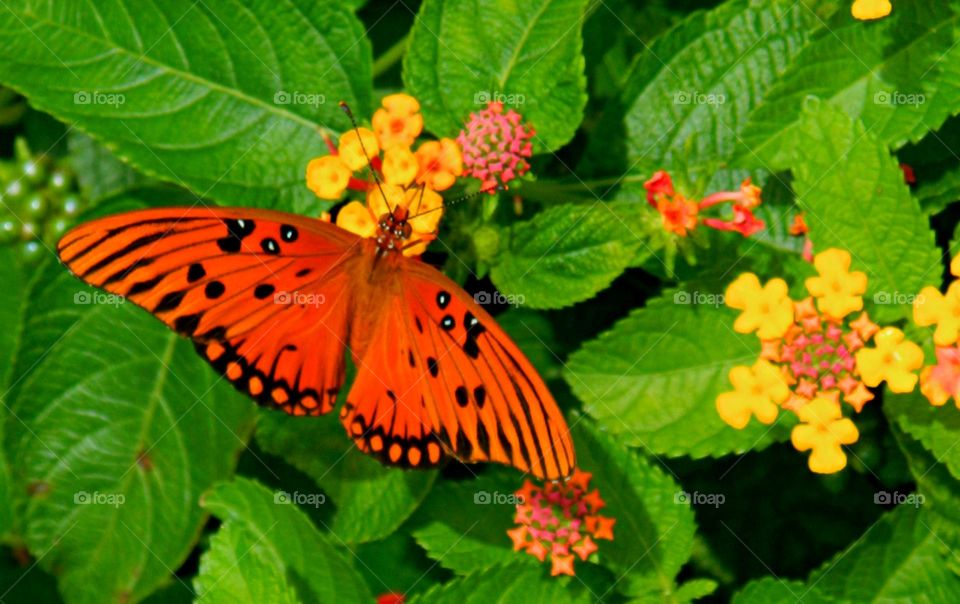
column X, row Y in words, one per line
column 578, row 190
column 390, row 56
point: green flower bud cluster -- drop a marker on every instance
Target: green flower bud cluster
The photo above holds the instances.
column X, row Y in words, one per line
column 38, row 201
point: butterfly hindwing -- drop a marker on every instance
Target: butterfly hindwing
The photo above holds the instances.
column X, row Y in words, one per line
column 386, row 411
column 440, row 375
column 263, row 294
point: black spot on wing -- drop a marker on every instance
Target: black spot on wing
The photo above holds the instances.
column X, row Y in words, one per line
column 214, row 289
column 144, row 286
column 196, row 272
column 270, row 246
column 263, row 291
column 461, row 395
column 288, row 233
column 170, row 301
column 187, row 324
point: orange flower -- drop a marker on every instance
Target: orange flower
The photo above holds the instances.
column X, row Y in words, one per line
column 682, row 215
column 441, row 162
column 398, row 122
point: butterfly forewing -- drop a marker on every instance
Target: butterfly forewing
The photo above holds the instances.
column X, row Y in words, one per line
column 263, row 294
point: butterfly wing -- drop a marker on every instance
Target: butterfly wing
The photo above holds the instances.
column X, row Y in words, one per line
column 263, row 294
column 440, row 376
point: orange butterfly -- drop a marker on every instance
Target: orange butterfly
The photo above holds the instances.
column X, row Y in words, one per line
column 272, row 300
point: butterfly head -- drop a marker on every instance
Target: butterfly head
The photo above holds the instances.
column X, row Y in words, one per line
column 393, row 231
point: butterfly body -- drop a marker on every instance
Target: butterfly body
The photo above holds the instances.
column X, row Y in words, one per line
column 275, row 301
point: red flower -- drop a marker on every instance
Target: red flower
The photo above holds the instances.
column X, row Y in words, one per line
column 681, row 215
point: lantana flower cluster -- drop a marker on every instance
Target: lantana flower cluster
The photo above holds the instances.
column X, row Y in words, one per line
column 941, row 382
column 559, row 521
column 816, row 358
column 682, row 215
column 496, row 145
column 410, row 179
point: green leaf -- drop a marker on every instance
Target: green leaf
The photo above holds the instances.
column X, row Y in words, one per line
column 938, row 491
column 899, row 559
column 100, row 173
column 372, row 499
column 463, row 525
column 853, row 195
column 12, row 305
column 695, row 589
column 119, row 429
column 287, row 547
column 685, row 97
column 464, row 54
column 937, row 194
column 239, row 568
column 508, row 585
column 900, row 76
column 771, row 590
column 568, row 253
column 653, row 378
column 937, row 428
column 653, row 534
column 222, row 97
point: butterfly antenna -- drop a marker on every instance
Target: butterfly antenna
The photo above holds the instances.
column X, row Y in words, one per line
column 423, row 189
column 376, row 179
column 495, row 188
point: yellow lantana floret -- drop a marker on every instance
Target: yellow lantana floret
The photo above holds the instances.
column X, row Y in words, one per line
column 867, row 10
column 399, row 121
column 838, row 290
column 934, row 308
column 399, row 166
column 894, row 360
column 357, row 147
column 767, row 309
column 757, row 390
column 327, row 176
column 822, row 432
